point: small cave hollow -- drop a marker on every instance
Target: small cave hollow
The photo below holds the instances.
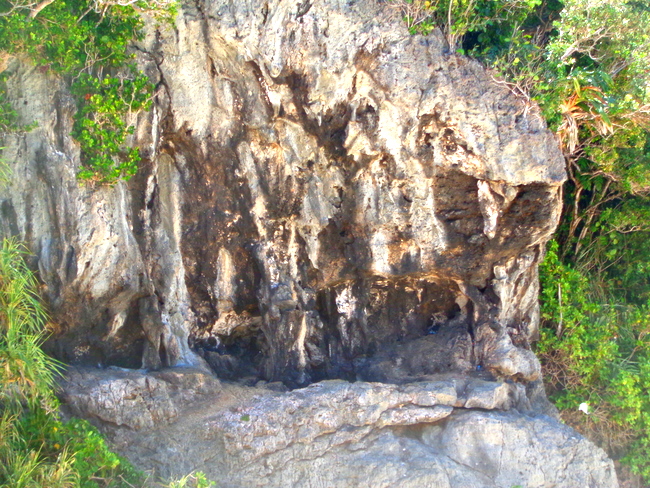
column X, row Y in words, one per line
column 235, row 356
column 391, row 330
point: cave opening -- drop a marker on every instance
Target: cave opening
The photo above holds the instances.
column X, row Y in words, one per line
column 394, row 330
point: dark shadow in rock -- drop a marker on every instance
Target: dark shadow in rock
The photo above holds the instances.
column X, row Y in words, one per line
column 234, row 357
column 447, row 350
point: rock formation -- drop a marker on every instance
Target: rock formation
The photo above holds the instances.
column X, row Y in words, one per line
column 449, row 431
column 322, row 196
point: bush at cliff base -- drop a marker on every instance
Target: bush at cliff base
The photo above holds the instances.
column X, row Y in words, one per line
column 596, row 351
column 36, row 448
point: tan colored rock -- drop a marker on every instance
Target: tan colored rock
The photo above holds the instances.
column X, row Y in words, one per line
column 513, row 449
column 321, row 196
column 318, row 188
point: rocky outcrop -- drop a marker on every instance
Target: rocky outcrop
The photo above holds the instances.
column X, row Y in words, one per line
column 448, row 431
column 322, row 197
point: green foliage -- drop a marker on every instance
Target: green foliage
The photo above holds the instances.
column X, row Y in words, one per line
column 588, row 71
column 595, row 289
column 194, row 480
column 8, row 116
column 100, row 124
column 40, row 444
column 457, row 18
column 5, row 172
column 9, row 120
column 26, row 373
column 36, row 448
column 87, row 42
column 580, row 350
column 598, row 352
column 70, row 36
column 24, row 468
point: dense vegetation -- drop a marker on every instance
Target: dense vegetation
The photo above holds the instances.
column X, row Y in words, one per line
column 586, row 63
column 37, row 449
column 86, row 42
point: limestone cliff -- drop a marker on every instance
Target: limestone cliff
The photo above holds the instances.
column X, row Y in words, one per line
column 322, row 196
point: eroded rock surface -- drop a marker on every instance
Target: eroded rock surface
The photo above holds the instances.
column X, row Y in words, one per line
column 322, row 195
column 449, row 431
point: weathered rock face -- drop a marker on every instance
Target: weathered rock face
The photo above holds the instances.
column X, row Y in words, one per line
column 323, row 196
column 450, row 431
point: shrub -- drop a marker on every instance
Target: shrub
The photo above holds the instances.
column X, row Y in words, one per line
column 25, row 370
column 597, row 351
column 457, row 18
column 86, row 42
column 36, row 448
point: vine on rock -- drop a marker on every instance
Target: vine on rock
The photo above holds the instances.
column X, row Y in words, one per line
column 100, row 125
